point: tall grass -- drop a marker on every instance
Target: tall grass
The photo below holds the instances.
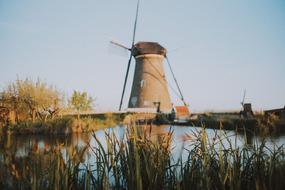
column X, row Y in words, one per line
column 65, row 125
column 142, row 160
column 231, row 167
column 41, row 170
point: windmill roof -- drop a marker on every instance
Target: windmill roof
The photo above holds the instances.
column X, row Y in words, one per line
column 142, row 48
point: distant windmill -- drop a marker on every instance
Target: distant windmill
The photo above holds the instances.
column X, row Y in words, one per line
column 246, row 107
column 149, row 88
column 242, row 102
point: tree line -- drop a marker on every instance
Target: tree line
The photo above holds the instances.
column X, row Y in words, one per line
column 28, row 100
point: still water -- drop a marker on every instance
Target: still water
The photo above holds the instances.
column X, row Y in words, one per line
column 182, row 139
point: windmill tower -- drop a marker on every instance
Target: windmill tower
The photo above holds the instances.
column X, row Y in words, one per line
column 149, row 88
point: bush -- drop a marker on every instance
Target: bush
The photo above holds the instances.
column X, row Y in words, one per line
column 65, row 125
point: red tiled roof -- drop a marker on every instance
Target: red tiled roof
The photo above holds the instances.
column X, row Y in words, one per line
column 182, row 110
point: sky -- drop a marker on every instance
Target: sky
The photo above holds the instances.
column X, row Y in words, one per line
column 217, row 48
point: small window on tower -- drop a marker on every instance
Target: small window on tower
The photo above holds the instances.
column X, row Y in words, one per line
column 134, row 100
column 142, row 83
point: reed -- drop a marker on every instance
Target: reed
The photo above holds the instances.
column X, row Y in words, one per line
column 65, row 125
column 143, row 160
column 48, row 169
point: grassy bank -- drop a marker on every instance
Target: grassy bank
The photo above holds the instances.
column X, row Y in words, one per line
column 258, row 124
column 142, row 161
column 64, row 125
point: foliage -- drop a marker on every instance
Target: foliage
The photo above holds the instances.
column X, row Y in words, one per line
column 27, row 99
column 80, row 101
column 47, row 169
column 61, row 126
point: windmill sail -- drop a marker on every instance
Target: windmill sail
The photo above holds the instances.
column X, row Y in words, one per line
column 131, row 54
column 242, row 102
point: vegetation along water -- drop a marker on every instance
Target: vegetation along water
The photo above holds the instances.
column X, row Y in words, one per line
column 50, row 142
column 143, row 157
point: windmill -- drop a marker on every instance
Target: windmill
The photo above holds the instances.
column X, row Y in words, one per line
column 149, row 87
column 246, row 107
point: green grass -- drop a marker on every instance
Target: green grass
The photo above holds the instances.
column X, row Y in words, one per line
column 144, row 161
column 64, row 125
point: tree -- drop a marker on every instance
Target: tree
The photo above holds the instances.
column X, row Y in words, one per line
column 80, row 102
column 11, row 100
column 26, row 98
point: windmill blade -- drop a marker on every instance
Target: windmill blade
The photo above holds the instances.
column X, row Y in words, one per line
column 244, row 93
column 175, row 80
column 131, row 54
column 135, row 25
column 120, row 45
column 118, row 49
column 125, row 82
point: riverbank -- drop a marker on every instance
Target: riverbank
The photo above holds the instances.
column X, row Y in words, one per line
column 64, row 125
column 259, row 124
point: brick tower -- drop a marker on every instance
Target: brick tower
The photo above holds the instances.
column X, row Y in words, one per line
column 149, row 88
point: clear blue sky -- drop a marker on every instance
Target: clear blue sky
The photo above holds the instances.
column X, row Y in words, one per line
column 217, row 47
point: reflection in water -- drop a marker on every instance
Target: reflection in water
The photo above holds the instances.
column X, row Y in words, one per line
column 22, row 145
column 26, row 156
column 28, row 161
column 248, row 137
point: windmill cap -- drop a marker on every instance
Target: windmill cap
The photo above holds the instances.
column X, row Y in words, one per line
column 142, row 48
